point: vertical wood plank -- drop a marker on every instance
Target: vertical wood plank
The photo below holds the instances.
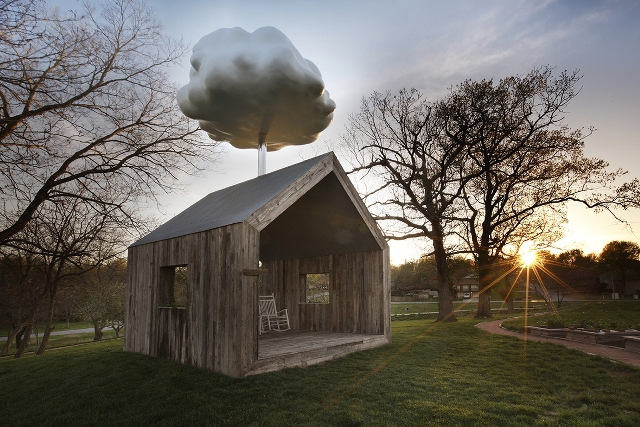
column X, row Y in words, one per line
column 218, row 330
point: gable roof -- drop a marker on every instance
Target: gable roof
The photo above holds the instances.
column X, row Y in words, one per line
column 230, row 205
column 261, row 200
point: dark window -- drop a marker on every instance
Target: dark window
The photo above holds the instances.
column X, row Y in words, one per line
column 173, row 286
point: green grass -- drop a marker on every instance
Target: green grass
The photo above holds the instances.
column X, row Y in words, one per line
column 617, row 315
column 431, row 307
column 440, row 375
column 56, row 341
column 58, row 326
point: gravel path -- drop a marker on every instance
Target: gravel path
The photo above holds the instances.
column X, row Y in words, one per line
column 614, row 353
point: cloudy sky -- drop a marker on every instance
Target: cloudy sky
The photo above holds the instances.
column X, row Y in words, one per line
column 366, row 46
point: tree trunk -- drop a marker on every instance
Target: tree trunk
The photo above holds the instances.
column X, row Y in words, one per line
column 445, row 298
column 20, row 334
column 622, row 286
column 484, row 286
column 484, row 305
column 445, row 305
column 116, row 327
column 560, row 298
column 97, row 332
column 24, row 342
column 510, row 307
column 47, row 328
column 12, row 336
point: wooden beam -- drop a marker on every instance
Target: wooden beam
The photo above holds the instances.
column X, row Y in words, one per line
column 255, row 272
column 359, row 204
column 271, row 210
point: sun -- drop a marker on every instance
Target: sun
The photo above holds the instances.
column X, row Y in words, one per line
column 528, row 258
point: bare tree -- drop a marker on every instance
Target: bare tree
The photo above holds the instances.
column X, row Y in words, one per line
column 71, row 237
column 22, row 279
column 486, row 169
column 526, row 165
column 103, row 303
column 397, row 144
column 87, row 107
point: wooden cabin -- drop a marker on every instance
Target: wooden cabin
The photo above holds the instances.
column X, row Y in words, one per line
column 274, row 234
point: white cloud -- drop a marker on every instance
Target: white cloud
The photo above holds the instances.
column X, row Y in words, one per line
column 243, row 84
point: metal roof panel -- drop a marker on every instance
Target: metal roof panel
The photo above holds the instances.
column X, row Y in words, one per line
column 230, row 205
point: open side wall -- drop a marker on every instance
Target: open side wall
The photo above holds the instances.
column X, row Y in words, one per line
column 359, row 295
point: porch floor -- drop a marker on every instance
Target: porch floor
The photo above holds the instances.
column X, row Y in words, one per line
column 279, row 350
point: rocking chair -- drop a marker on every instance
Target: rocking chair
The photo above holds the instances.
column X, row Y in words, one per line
column 270, row 318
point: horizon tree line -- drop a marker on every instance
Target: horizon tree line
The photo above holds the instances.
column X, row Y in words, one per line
column 569, row 271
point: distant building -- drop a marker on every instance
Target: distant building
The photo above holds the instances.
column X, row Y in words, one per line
column 468, row 285
column 427, row 293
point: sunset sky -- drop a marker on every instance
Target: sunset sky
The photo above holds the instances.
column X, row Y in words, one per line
column 366, row 46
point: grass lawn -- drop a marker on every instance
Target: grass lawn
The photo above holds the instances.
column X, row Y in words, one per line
column 58, row 326
column 56, row 341
column 463, row 306
column 441, row 375
column 617, row 315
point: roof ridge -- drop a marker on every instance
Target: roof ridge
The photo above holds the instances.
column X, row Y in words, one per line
column 231, row 204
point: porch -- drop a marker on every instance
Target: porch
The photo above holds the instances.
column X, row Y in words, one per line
column 278, row 350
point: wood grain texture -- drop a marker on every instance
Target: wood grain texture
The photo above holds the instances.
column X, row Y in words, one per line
column 359, row 295
column 218, row 329
column 255, row 272
column 301, row 349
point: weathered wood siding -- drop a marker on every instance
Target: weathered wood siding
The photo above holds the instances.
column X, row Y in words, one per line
column 359, row 294
column 172, row 334
column 221, row 322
